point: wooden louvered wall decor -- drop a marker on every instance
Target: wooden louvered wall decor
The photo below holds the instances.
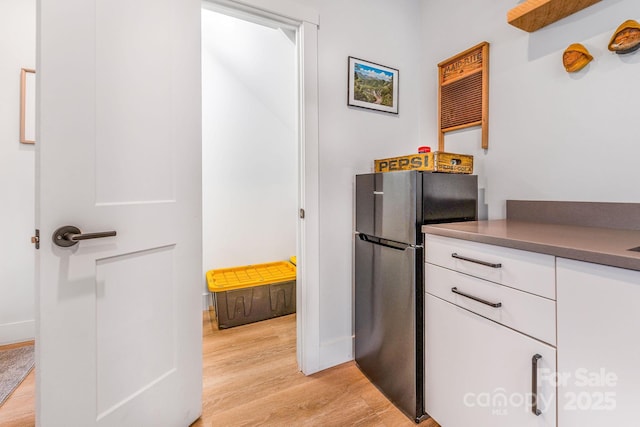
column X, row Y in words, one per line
column 463, row 93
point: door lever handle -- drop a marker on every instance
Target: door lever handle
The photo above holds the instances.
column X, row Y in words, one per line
column 69, row 236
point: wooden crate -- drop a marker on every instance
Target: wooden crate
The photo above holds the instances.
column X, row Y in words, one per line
column 437, row 161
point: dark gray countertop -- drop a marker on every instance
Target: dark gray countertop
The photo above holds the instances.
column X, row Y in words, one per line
column 607, row 246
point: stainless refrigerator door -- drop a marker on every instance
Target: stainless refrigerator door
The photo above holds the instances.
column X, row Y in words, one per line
column 386, row 206
column 388, row 340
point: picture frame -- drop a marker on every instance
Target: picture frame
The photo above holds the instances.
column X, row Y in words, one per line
column 27, row 106
column 373, row 86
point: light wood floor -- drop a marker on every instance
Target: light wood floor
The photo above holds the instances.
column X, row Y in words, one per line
column 18, row 409
column 250, row 378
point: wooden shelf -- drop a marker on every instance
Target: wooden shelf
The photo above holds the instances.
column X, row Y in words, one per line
column 535, row 14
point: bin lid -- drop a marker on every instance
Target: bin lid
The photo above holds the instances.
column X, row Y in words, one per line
column 226, row 279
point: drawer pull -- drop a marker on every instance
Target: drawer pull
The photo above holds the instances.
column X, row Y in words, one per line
column 490, row 304
column 477, row 261
column 534, row 385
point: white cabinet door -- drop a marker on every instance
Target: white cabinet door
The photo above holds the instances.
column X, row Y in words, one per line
column 480, row 373
column 598, row 345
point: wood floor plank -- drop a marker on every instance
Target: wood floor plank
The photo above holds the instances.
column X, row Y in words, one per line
column 251, row 378
column 18, row 410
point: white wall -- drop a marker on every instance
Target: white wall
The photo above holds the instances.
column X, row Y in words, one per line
column 249, row 142
column 382, row 31
column 18, row 50
column 552, row 135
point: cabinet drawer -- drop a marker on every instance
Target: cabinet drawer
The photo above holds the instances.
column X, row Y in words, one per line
column 530, row 314
column 527, row 271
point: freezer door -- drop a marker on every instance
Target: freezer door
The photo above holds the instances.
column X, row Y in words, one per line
column 389, row 336
column 386, row 206
column 449, row 197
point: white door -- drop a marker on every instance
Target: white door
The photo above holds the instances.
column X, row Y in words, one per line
column 119, row 326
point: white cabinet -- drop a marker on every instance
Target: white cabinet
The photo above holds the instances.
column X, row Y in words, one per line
column 598, row 311
column 480, row 373
column 488, row 310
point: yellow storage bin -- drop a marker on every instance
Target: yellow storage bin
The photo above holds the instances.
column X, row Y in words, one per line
column 252, row 293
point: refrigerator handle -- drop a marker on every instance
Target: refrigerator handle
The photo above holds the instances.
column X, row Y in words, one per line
column 382, row 242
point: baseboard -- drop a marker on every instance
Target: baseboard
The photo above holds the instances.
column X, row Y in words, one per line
column 336, row 352
column 206, row 301
column 11, row 333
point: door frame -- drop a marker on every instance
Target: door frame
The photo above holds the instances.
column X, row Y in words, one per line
column 304, row 21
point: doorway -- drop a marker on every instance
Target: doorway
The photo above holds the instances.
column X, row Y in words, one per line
column 250, row 166
column 298, row 26
column 17, row 163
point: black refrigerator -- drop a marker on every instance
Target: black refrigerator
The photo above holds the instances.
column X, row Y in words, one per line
column 391, row 208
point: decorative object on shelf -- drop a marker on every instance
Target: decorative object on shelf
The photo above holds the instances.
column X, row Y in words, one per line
column 532, row 15
column 373, row 86
column 626, row 39
column 576, row 57
column 436, row 161
column 463, row 93
column 27, row 106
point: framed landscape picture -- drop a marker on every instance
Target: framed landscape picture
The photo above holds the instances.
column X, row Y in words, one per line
column 373, row 86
